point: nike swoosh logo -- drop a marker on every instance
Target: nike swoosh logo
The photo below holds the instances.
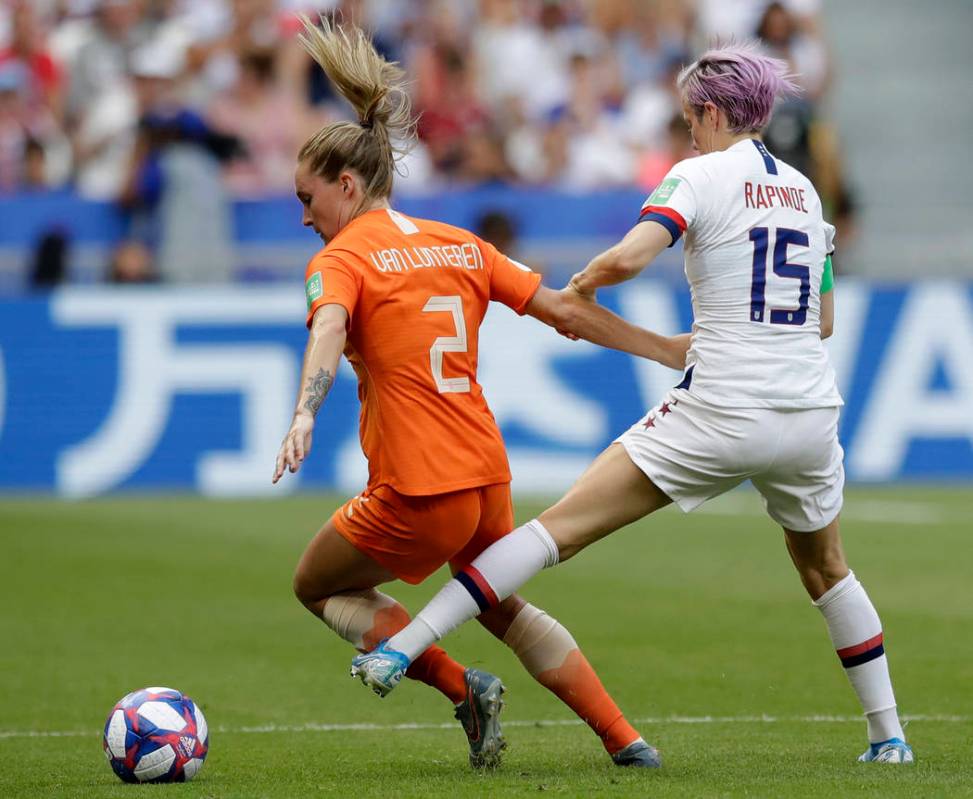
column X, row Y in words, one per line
column 473, row 731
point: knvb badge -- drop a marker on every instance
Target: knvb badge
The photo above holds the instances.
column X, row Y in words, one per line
column 313, row 289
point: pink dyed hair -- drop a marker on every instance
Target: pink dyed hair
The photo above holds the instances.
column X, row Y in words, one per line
column 739, row 81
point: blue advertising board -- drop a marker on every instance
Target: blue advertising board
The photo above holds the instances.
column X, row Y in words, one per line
column 192, row 389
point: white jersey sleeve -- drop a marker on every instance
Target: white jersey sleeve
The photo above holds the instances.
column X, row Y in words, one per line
column 829, row 232
column 675, row 203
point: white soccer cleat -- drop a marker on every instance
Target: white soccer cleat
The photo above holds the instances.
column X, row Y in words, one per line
column 381, row 669
column 894, row 750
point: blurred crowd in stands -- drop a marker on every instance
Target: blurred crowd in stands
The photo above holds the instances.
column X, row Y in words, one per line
column 174, row 106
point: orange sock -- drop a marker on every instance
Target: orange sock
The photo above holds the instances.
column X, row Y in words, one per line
column 576, row 684
column 434, row 667
column 552, row 656
column 364, row 618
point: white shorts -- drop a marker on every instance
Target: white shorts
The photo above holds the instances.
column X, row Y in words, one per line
column 694, row 451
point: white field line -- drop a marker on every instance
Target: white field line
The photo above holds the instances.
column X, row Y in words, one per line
column 869, row 511
column 366, row 727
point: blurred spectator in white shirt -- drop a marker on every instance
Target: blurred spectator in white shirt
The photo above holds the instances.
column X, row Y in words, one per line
column 516, row 58
column 95, row 51
column 596, row 155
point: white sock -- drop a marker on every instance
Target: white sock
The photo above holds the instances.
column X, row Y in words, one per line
column 495, row 574
column 856, row 633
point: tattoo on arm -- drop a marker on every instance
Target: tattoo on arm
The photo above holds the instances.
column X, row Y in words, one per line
column 317, row 389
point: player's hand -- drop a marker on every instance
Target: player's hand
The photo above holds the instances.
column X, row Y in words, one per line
column 576, row 286
column 296, row 445
column 573, row 293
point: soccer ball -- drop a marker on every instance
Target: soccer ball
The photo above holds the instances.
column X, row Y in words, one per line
column 156, row 735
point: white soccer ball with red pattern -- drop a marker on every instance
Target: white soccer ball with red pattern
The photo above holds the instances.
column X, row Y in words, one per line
column 156, row 735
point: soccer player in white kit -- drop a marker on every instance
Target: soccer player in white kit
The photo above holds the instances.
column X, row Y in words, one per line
column 758, row 400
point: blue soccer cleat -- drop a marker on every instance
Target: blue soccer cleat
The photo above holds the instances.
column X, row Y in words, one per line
column 894, row 750
column 479, row 713
column 381, row 669
column 639, row 755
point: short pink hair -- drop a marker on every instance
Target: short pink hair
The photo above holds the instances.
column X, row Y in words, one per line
column 739, row 81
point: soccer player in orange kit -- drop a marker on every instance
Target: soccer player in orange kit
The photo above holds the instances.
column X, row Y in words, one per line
column 403, row 299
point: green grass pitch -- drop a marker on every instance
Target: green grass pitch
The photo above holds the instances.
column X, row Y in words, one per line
column 697, row 624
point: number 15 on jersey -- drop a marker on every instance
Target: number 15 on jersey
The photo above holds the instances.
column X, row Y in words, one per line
column 760, row 236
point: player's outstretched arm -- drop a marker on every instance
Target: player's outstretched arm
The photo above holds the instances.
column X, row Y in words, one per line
column 624, row 260
column 325, row 343
column 570, row 313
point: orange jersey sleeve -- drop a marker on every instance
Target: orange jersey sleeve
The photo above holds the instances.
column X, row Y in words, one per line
column 416, row 292
column 511, row 282
column 331, row 279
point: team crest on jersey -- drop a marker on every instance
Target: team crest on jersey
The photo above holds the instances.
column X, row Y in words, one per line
column 663, row 191
column 313, row 289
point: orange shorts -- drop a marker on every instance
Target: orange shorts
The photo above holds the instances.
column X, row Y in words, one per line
column 414, row 536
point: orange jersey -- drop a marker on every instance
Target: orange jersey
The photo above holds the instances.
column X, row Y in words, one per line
column 416, row 292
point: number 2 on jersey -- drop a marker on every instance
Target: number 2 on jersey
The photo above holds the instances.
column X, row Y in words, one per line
column 760, row 236
column 452, row 304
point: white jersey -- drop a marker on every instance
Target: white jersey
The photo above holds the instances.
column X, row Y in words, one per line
column 755, row 249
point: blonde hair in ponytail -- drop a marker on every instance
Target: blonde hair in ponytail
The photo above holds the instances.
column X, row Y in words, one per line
column 375, row 88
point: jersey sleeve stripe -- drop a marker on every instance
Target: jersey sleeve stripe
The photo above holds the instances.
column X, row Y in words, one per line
column 669, row 219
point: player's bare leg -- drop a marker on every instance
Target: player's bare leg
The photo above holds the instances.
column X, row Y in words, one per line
column 552, row 657
column 612, row 493
column 856, row 633
column 336, row 582
column 329, row 566
column 818, row 557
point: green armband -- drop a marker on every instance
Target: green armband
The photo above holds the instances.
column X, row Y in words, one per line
column 827, row 279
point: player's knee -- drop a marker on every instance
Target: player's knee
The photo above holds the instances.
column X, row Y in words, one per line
column 307, row 593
